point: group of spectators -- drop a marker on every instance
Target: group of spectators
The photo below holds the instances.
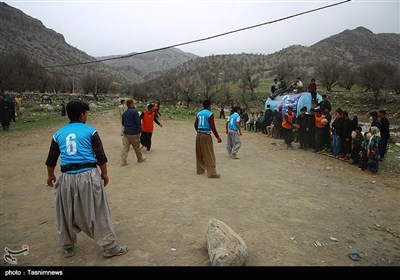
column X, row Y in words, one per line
column 321, row 132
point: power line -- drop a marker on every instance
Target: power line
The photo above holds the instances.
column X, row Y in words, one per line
column 199, row 40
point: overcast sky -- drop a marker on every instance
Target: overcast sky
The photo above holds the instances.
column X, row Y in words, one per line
column 102, row 28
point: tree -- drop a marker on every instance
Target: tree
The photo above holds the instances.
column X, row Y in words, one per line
column 250, row 81
column 377, row 76
column 140, row 91
column 327, row 71
column 19, row 73
column 188, row 93
column 226, row 94
column 394, row 82
column 170, row 87
column 59, row 82
column 207, row 80
column 88, row 83
column 284, row 69
column 347, row 77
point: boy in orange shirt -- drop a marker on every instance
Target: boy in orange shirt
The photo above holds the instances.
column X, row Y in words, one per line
column 147, row 118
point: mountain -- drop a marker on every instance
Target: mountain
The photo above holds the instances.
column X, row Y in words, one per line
column 354, row 47
column 360, row 46
column 22, row 33
column 149, row 66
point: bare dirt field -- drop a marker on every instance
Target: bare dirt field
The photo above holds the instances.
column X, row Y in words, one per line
column 291, row 207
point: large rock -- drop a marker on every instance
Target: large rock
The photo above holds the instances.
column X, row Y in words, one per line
column 225, row 247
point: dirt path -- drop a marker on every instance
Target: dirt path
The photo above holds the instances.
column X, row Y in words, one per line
column 284, row 204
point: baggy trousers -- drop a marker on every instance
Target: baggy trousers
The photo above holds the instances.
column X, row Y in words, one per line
column 205, row 157
column 81, row 205
column 233, row 142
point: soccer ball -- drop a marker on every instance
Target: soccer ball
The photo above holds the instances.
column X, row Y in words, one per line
column 324, row 121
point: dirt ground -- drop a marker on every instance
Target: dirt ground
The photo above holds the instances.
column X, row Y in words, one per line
column 291, row 207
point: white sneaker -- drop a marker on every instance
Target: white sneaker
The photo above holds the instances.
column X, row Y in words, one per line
column 147, row 152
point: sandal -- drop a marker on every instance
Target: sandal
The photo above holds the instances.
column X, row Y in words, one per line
column 117, row 250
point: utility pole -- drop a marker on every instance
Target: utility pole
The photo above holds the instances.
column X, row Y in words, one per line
column 95, row 85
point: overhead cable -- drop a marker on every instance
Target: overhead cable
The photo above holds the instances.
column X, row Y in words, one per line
column 198, row 40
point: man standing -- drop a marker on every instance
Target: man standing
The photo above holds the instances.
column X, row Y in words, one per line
column 233, row 142
column 132, row 130
column 81, row 201
column 148, row 119
column 121, row 109
column 324, row 103
column 287, row 127
column 18, row 105
column 385, row 134
column 312, row 88
column 205, row 157
column 222, row 112
column 5, row 106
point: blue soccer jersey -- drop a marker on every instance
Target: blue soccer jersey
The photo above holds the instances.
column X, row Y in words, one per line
column 203, row 123
column 75, row 143
column 233, row 120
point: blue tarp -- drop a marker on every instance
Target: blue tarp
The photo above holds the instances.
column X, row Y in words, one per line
column 294, row 99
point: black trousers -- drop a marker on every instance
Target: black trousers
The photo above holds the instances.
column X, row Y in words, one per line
column 145, row 139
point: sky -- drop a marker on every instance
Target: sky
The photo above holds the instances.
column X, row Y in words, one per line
column 102, row 28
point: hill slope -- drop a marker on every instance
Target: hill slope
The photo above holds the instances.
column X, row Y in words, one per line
column 22, row 33
column 151, row 65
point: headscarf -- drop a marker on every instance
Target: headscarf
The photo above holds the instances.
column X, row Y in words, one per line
column 375, row 132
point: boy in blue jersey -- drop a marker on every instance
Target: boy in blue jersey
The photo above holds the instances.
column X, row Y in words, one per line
column 205, row 157
column 233, row 131
column 81, row 201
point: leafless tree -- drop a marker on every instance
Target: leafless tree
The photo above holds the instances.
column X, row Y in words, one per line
column 347, row 77
column 59, row 82
column 394, row 82
column 88, row 83
column 249, row 80
column 377, row 76
column 284, row 69
column 207, row 81
column 188, row 92
column 327, row 71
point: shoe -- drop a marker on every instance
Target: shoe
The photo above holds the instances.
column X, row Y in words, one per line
column 234, row 156
column 124, row 164
column 147, row 151
column 117, row 250
column 69, row 252
column 215, row 176
column 143, row 159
